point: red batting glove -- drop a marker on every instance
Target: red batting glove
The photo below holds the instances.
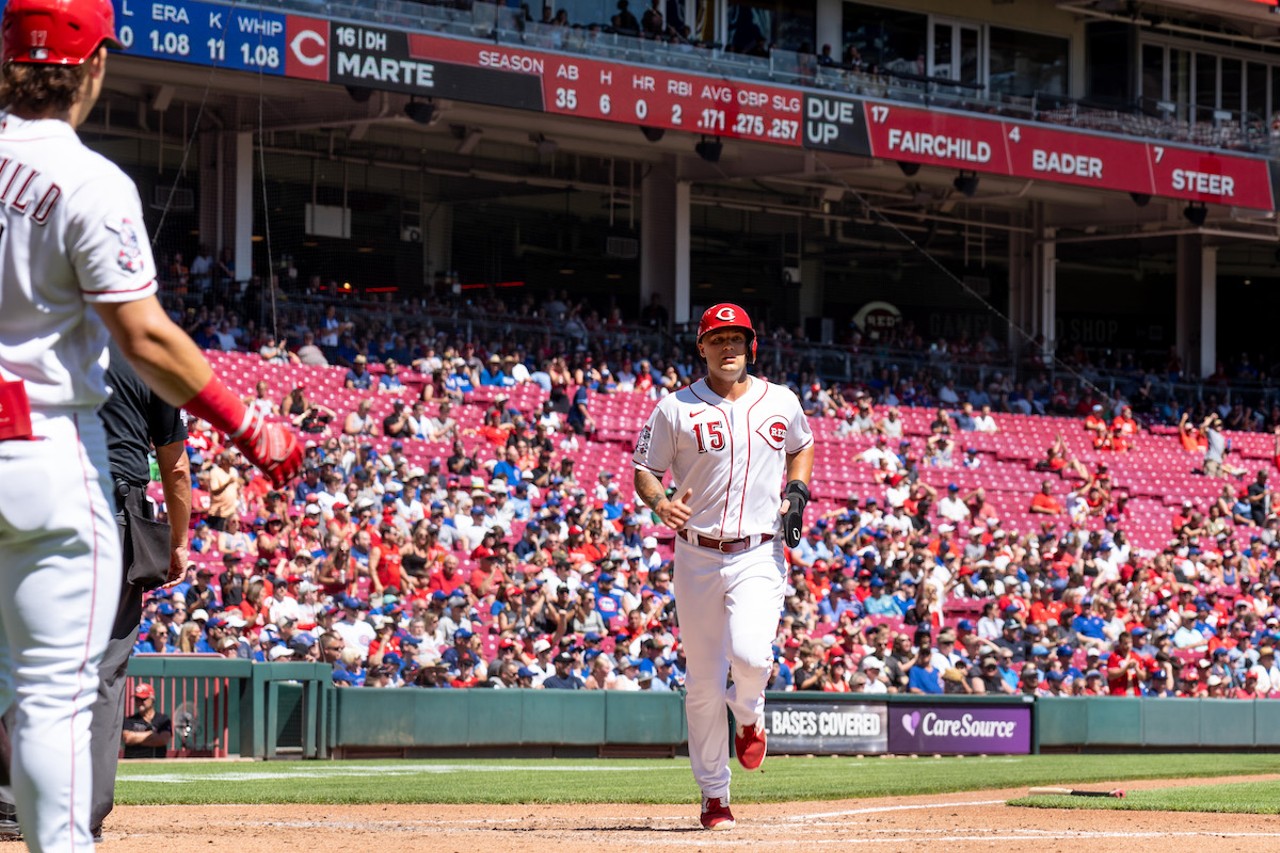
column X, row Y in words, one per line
column 271, row 447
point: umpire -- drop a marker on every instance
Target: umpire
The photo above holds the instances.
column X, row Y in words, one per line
column 155, row 554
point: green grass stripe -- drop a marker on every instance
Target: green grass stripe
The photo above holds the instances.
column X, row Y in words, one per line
column 1234, row 798
column 646, row 781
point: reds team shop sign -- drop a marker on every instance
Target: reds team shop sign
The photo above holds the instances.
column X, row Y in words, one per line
column 826, row 728
column 960, row 729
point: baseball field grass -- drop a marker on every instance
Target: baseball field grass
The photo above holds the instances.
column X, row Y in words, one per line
column 1235, row 797
column 668, row 780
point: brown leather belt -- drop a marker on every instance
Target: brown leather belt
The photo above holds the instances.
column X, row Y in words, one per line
column 730, row 546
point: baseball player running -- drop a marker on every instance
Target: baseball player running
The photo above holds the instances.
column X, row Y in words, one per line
column 730, row 441
column 71, row 240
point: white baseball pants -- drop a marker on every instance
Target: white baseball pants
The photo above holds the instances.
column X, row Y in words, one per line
column 729, row 606
column 59, row 584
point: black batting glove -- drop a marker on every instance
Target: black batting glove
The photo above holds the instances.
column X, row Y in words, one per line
column 797, row 496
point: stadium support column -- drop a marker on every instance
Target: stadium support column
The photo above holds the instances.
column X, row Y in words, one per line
column 664, row 240
column 1197, row 306
column 244, row 206
column 1038, row 300
column 437, row 236
column 1022, row 283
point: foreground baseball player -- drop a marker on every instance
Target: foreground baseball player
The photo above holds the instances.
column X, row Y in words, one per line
column 75, row 265
column 730, row 441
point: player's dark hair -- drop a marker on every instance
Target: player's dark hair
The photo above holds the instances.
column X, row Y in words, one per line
column 37, row 89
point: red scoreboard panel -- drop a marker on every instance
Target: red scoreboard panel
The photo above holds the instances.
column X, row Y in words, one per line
column 632, row 94
column 563, row 84
column 1026, row 150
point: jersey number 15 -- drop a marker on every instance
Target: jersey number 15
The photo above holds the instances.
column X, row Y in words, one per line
column 712, row 440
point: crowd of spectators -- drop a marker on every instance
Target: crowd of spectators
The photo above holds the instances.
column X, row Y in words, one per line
column 498, row 565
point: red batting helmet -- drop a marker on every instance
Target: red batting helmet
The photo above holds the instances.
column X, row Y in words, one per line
column 726, row 315
column 56, row 32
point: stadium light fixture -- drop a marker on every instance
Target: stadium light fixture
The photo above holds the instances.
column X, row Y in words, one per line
column 1141, row 199
column 1196, row 213
column 653, row 134
column 710, row 149
column 359, row 94
column 909, row 169
column 966, row 183
column 422, row 112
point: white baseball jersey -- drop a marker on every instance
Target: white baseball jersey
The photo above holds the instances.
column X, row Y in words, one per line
column 71, row 233
column 731, row 453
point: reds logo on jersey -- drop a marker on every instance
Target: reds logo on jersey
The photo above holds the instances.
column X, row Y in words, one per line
column 129, row 258
column 774, row 432
column 642, row 443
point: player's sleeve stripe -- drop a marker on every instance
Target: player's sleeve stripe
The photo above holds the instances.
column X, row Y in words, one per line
column 806, row 444
column 651, row 470
column 109, row 292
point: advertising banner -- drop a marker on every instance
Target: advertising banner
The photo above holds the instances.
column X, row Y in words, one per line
column 826, row 728
column 960, row 729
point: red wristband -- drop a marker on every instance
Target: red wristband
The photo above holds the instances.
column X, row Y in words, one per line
column 216, row 404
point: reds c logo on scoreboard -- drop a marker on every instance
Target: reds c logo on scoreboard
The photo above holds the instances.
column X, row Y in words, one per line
column 306, row 55
column 774, row 432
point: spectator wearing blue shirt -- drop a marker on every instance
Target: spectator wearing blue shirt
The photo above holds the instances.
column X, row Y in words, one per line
column 839, row 601
column 493, row 376
column 781, row 677
column 1089, row 626
column 1069, row 670
column 390, row 381
column 608, row 599
column 923, row 677
column 563, row 678
column 208, row 643
column 881, row 602
column 458, row 383
column 359, row 378
column 156, row 640
column 520, row 503
column 309, row 484
column 460, row 652
column 613, row 507
column 509, row 469
column 579, row 419
column 1009, row 672
column 811, row 549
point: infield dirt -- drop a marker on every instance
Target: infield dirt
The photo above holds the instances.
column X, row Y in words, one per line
column 968, row 821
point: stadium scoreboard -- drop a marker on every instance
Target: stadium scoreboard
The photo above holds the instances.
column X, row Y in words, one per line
column 367, row 55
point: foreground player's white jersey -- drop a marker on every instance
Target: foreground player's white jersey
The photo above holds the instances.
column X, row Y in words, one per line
column 732, row 454
column 72, row 234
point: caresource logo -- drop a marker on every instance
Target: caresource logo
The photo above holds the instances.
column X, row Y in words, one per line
column 966, row 726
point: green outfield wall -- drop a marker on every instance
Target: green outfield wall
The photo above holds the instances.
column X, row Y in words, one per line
column 224, row 707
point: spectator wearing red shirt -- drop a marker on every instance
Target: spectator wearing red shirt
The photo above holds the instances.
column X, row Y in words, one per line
column 447, row 577
column 1125, row 668
column 1124, row 430
column 1099, row 431
column 1045, row 503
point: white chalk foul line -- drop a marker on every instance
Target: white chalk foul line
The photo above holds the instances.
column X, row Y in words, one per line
column 881, row 809
column 339, row 772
